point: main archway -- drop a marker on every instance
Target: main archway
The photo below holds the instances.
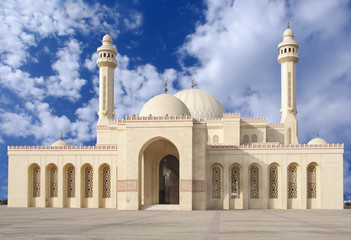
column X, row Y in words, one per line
column 159, row 173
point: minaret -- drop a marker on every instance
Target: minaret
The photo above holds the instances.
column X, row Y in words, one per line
column 288, row 57
column 107, row 63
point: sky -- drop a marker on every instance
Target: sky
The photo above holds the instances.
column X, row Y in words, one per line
column 49, row 77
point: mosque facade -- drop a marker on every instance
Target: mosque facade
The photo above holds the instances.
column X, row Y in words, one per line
column 183, row 152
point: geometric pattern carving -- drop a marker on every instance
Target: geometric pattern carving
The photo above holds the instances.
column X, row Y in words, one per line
column 292, row 182
column 53, row 182
column 273, row 182
column 71, row 182
column 254, row 182
column 235, row 182
column 106, row 182
column 311, row 182
column 216, row 182
column 88, row 182
column 36, row 181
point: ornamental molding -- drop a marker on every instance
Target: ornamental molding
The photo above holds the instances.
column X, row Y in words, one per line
column 65, row 148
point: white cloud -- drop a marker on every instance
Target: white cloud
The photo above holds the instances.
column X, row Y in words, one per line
column 67, row 81
column 136, row 86
column 134, row 21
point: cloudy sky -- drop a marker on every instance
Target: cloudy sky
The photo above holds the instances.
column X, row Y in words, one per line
column 49, row 78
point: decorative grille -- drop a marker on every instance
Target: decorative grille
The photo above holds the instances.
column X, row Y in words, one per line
column 106, row 181
column 254, row 182
column 273, row 182
column 53, row 182
column 292, row 182
column 71, row 182
column 235, row 183
column 36, row 181
column 89, row 182
column 216, row 182
column 311, row 182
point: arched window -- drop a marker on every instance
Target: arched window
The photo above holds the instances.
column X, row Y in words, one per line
column 100, row 54
column 88, row 182
column 71, row 182
column 112, row 55
column 281, row 51
column 108, row 55
column 285, row 50
column 246, row 139
column 293, row 49
column 104, row 54
column 273, row 182
column 53, row 182
column 106, row 182
column 216, row 182
column 36, row 181
column 292, row 182
column 312, row 181
column 254, row 182
column 289, row 49
column 254, row 138
column 235, row 182
column 215, row 139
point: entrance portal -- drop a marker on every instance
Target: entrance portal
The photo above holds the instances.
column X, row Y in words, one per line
column 169, row 180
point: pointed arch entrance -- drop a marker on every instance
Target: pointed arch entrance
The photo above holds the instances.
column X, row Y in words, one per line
column 159, row 175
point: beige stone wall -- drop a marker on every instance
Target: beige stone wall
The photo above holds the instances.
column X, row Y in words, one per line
column 22, row 160
column 327, row 158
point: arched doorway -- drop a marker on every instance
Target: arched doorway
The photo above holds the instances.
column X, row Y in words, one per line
column 169, row 180
column 159, row 173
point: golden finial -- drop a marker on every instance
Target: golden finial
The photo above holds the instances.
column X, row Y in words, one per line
column 107, row 29
column 317, row 132
column 288, row 24
column 61, row 134
column 165, row 79
column 192, row 82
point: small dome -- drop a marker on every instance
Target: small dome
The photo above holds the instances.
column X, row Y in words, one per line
column 107, row 39
column 162, row 105
column 317, row 140
column 60, row 143
column 200, row 103
column 288, row 32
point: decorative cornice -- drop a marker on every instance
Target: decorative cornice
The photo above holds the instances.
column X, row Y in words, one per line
column 275, row 146
column 64, row 148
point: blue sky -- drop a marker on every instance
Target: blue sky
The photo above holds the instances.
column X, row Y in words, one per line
column 49, row 78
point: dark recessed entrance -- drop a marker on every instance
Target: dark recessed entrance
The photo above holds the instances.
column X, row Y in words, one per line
column 169, row 180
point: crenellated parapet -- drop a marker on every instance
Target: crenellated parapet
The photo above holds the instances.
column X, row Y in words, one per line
column 64, row 148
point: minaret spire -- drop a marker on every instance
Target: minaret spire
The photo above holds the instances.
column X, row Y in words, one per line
column 288, row 57
column 107, row 64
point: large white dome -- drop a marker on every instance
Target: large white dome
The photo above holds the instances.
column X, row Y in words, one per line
column 200, row 103
column 162, row 105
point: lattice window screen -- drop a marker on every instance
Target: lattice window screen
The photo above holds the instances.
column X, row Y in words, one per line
column 254, row 182
column 216, row 182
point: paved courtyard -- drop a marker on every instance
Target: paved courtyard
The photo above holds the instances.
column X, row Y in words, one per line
column 39, row 223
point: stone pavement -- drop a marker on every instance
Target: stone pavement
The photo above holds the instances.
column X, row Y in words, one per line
column 45, row 223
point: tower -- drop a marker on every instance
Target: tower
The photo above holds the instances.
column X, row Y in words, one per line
column 288, row 57
column 107, row 63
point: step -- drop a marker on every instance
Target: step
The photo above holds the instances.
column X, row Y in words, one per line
column 161, row 207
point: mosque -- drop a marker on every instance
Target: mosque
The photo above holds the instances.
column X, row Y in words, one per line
column 183, row 152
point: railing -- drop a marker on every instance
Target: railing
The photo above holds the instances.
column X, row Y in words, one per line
column 276, row 146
